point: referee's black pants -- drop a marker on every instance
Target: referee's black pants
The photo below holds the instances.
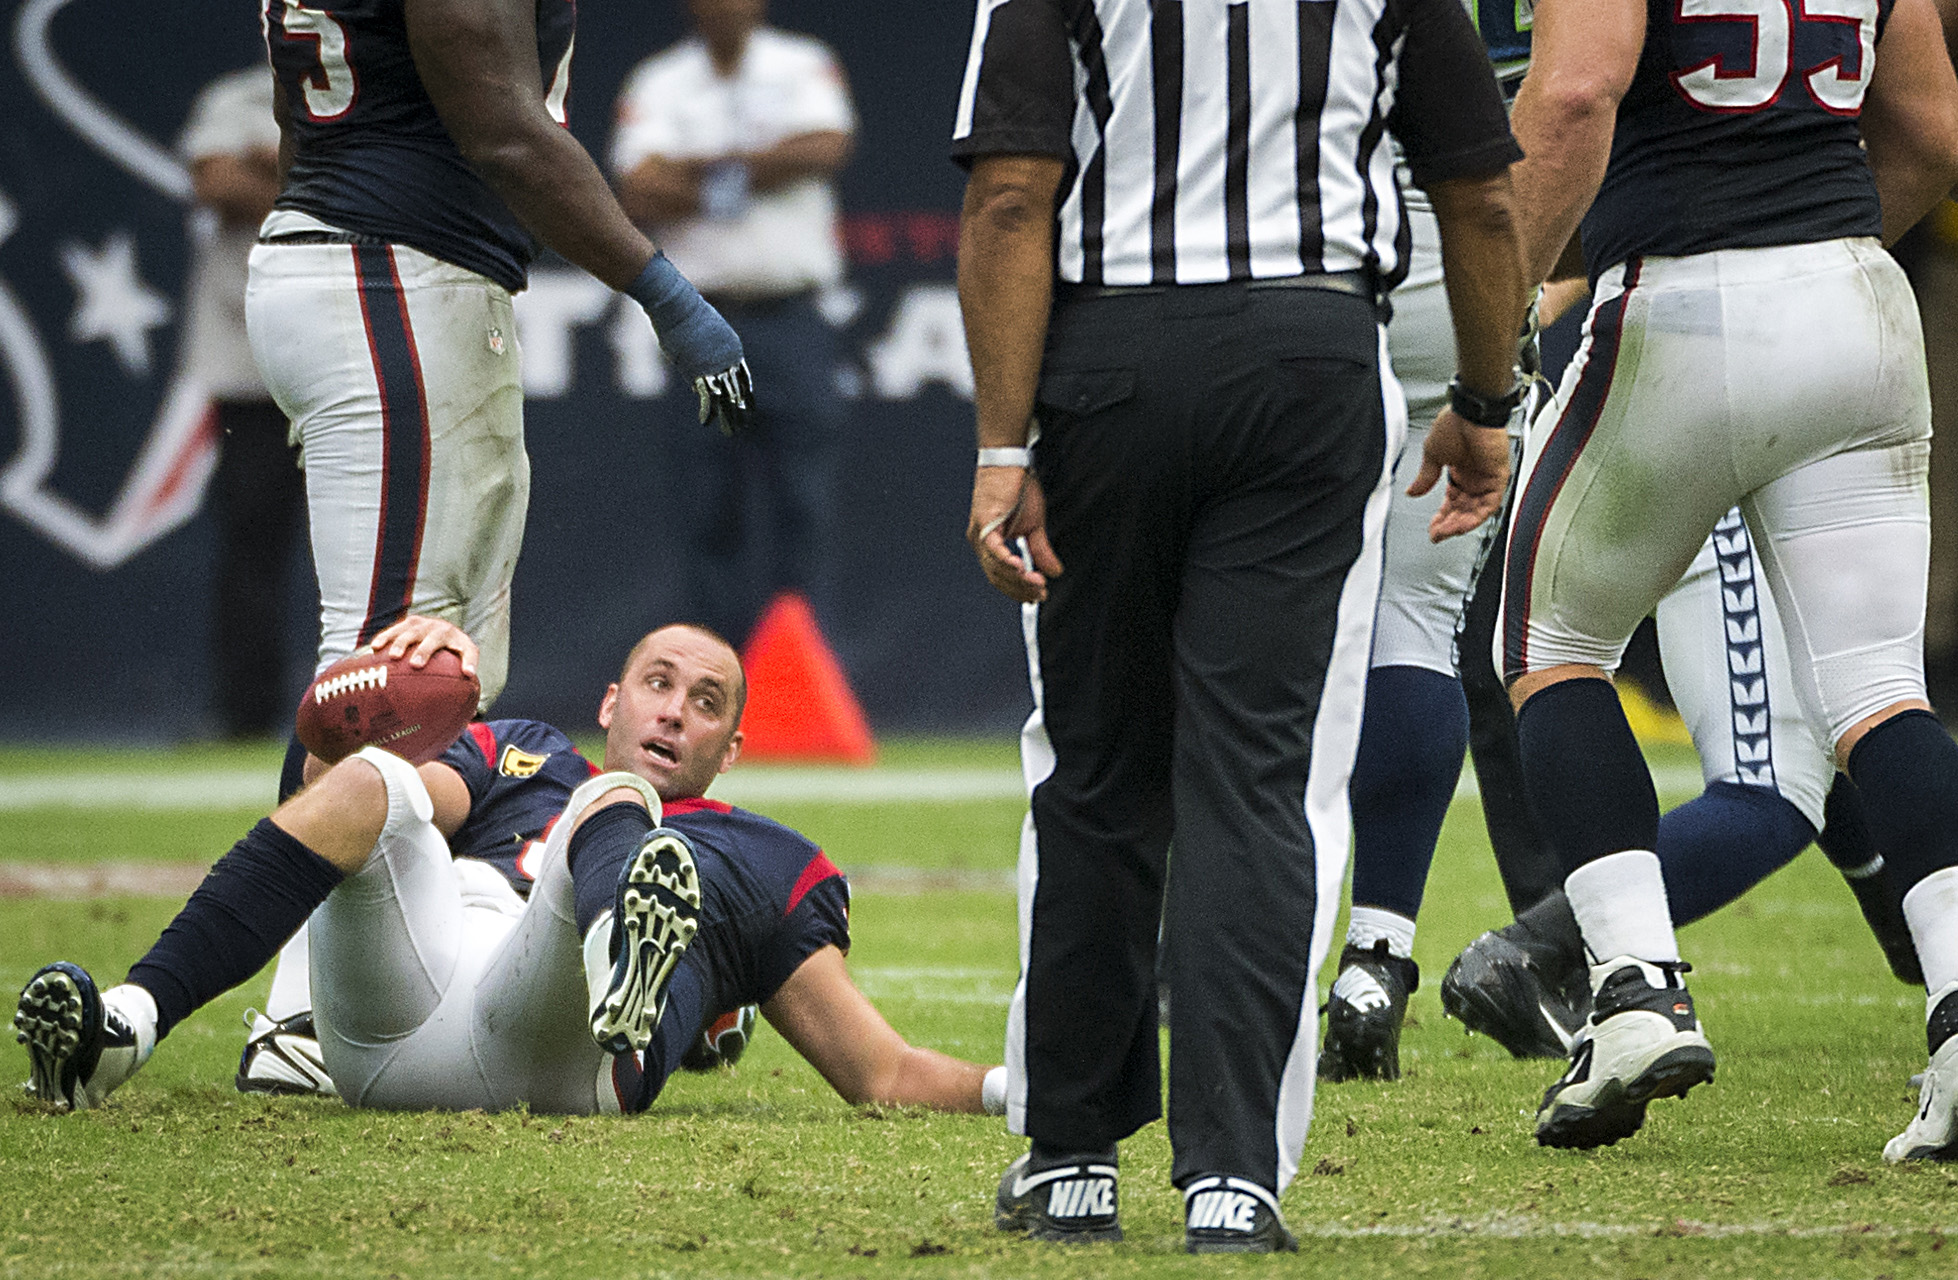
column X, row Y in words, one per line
column 1215, row 461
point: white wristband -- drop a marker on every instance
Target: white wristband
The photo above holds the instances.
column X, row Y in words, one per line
column 992, row 1092
column 1018, row 456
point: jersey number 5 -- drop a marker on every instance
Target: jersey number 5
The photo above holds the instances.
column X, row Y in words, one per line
column 330, row 90
column 1712, row 86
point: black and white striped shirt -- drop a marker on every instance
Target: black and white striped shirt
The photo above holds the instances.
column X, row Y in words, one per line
column 1210, row 140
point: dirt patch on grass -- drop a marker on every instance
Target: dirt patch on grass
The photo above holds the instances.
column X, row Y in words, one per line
column 101, row 879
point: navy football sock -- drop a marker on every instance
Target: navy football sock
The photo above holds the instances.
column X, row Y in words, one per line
column 1588, row 784
column 1719, row 845
column 249, row 906
column 1907, row 771
column 599, row 848
column 1845, row 836
column 1412, row 739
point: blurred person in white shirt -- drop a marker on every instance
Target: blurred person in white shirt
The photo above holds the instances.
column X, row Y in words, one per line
column 726, row 147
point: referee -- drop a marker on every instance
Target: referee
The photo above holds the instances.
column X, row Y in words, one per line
column 1180, row 224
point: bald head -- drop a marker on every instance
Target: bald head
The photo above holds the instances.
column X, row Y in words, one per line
column 739, row 692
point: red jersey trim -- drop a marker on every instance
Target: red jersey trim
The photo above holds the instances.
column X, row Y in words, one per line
column 485, row 741
column 696, row 805
column 820, row 868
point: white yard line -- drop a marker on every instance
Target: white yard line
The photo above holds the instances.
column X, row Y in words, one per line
column 755, row 786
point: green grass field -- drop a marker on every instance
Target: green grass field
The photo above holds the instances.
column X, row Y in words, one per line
column 1773, row 1171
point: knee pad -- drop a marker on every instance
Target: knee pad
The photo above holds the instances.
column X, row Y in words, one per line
column 408, row 799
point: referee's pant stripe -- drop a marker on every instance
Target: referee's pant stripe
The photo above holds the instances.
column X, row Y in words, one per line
column 1335, row 743
column 1036, row 763
column 1553, row 467
column 405, row 446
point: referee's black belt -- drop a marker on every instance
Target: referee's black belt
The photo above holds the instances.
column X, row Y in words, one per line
column 1358, row 282
column 321, row 237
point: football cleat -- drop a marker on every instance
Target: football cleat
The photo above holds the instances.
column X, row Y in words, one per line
column 1933, row 1132
column 654, row 917
column 1641, row 1042
column 723, row 1041
column 79, row 1048
column 1525, row 997
column 1068, row 1200
column 284, row 1059
column 1365, row 1012
column 1233, row 1215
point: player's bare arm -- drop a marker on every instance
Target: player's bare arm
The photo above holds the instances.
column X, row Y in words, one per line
column 1006, row 284
column 1583, row 57
column 1483, row 269
column 1910, row 117
column 821, row 1013
column 238, row 186
column 478, row 61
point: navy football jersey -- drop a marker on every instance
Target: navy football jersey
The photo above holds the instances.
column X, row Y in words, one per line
column 1739, row 130
column 519, row 774
column 1504, row 26
column 369, row 153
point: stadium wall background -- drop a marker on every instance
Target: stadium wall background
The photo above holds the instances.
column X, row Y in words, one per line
column 105, row 551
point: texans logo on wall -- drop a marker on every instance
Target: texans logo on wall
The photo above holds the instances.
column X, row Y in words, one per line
column 113, row 445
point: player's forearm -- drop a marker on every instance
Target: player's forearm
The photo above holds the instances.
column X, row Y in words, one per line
column 1482, row 267
column 807, row 155
column 927, row 1078
column 238, row 188
column 558, row 193
column 1910, row 118
column 1566, row 144
column 1006, row 278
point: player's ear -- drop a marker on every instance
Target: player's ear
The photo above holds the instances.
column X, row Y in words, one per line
column 607, row 705
column 733, row 752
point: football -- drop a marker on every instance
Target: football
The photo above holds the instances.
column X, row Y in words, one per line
column 372, row 700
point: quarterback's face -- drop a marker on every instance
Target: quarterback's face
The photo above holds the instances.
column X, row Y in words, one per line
column 672, row 718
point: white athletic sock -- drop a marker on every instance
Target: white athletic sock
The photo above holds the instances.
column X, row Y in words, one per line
column 598, row 958
column 292, row 984
column 1367, row 925
column 992, row 1092
column 1931, row 911
column 1620, row 904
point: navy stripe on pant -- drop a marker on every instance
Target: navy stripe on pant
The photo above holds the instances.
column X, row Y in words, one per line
column 404, row 413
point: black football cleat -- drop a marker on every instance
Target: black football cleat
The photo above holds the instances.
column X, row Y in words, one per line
column 1526, row 995
column 1365, row 1012
column 1643, row 1041
column 1222, row 1214
column 1065, row 1199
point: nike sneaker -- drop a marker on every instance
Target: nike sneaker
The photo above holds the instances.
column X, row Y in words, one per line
column 1067, row 1199
column 1933, row 1132
column 80, row 1048
column 1233, row 1215
column 284, row 1059
column 1521, row 992
column 1641, row 1042
column 1364, row 1015
column 654, row 917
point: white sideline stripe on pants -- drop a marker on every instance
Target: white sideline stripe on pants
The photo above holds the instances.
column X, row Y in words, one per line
column 750, row 787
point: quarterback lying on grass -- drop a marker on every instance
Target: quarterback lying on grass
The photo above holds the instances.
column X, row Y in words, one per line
column 508, row 925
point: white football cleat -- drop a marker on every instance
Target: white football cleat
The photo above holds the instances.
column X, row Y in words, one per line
column 1933, row 1132
column 284, row 1059
column 80, row 1047
column 1641, row 1042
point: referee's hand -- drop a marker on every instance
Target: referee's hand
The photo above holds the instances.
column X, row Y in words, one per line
column 1007, row 505
column 1477, row 462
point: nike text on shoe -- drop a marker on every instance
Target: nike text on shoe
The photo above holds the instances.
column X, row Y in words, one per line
column 1222, row 1214
column 654, row 918
column 1509, row 993
column 79, row 1049
column 1642, row 1042
column 1364, row 1015
column 285, row 1059
column 1933, row 1132
column 1067, row 1199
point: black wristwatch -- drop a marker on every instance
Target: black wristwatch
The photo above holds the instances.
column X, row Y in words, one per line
column 1484, row 411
